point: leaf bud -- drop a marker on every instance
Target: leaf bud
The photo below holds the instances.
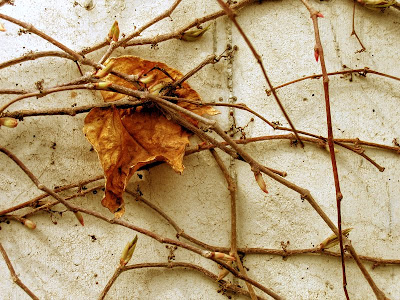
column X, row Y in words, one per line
column 128, row 251
column 260, row 181
column 156, row 89
column 103, row 84
column 222, row 256
column 333, row 240
column 377, row 3
column 147, row 79
column 28, row 223
column 8, row 122
column 113, row 35
column 2, row 28
column 194, row 34
column 316, row 53
column 104, row 72
column 79, row 216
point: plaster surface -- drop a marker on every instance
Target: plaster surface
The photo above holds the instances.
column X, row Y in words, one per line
column 62, row 260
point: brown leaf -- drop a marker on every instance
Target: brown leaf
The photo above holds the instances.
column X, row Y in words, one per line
column 127, row 139
column 133, row 65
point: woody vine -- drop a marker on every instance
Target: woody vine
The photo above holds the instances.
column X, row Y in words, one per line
column 145, row 117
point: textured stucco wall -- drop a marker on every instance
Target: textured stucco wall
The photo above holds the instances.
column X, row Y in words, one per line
column 60, row 260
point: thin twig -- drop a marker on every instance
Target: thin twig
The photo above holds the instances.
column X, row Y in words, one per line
column 76, row 208
column 72, row 111
column 195, row 23
column 255, row 250
column 364, row 71
column 320, row 52
column 35, row 55
column 353, row 31
column 170, row 265
column 163, row 240
column 46, row 92
column 232, row 192
column 109, row 284
column 229, row 12
column 180, row 232
column 34, row 30
column 31, row 203
column 50, row 204
column 14, row 275
column 114, row 45
column 158, row 39
column 319, row 49
column 12, row 92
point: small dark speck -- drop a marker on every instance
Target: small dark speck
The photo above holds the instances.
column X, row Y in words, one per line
column 94, row 192
column 84, row 188
column 97, row 282
column 103, row 189
column 312, row 95
column 91, row 149
column 140, row 176
column 34, row 136
column 389, row 178
column 8, row 222
column 373, row 110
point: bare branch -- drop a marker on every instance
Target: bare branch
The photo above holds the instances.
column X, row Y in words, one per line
column 15, row 276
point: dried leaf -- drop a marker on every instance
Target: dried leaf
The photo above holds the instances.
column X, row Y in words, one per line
column 128, row 139
column 133, row 65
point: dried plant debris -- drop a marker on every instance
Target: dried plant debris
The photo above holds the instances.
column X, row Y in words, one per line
column 127, row 139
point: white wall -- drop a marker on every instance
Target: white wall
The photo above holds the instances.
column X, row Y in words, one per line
column 60, row 260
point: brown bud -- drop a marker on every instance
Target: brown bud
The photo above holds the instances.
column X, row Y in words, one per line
column 222, row 256
column 260, row 181
column 316, row 53
column 79, row 216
